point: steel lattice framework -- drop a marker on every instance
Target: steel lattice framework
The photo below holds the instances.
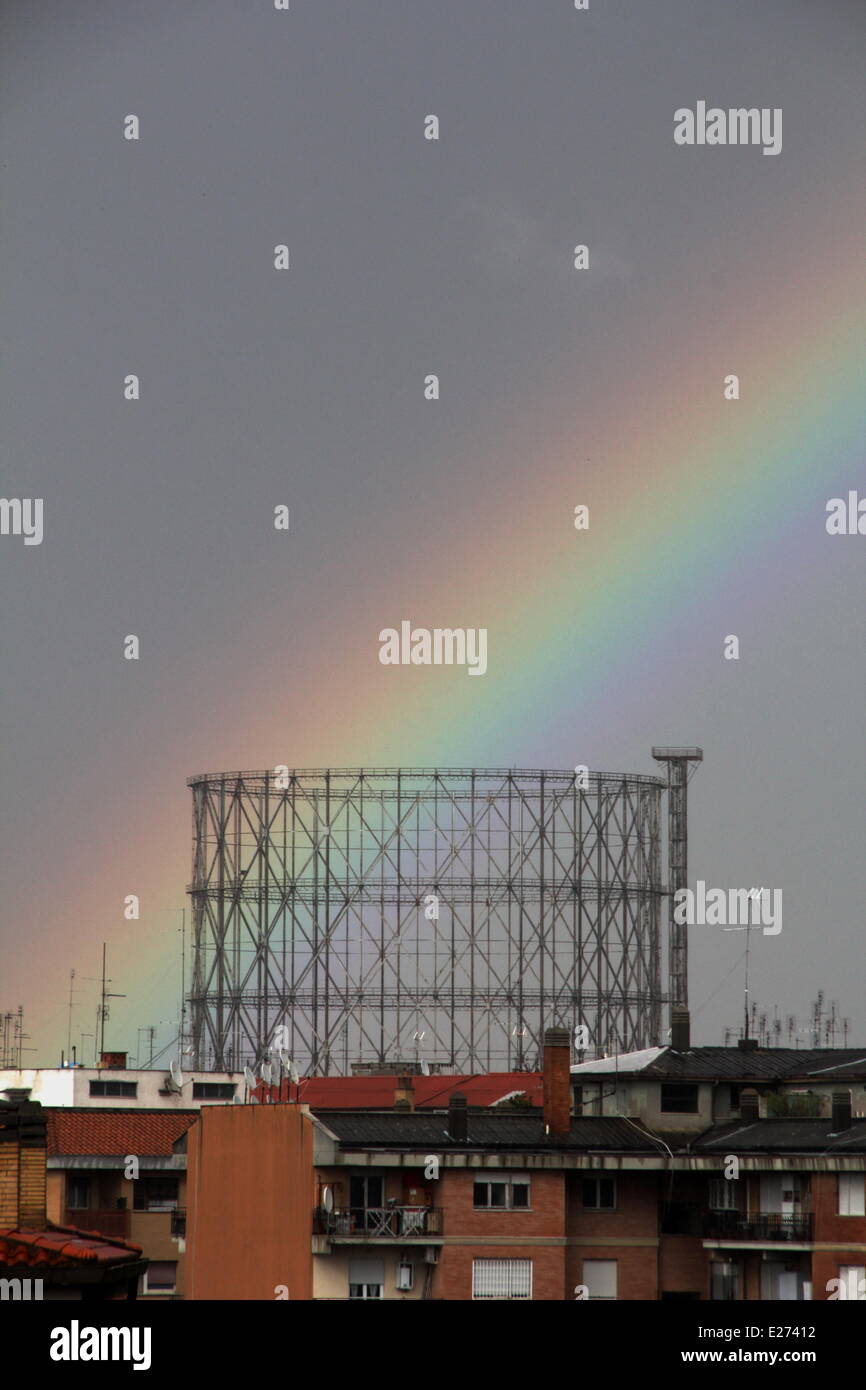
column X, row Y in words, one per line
column 444, row 914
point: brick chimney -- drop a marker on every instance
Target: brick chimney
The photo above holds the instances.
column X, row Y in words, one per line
column 113, row 1061
column 680, row 1030
column 22, row 1166
column 404, row 1095
column 841, row 1111
column 557, row 1081
column 458, row 1118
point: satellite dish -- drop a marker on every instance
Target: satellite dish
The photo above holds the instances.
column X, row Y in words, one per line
column 249, row 1078
column 176, row 1074
column 425, row 1068
column 293, row 1074
column 327, row 1199
column 285, row 1060
column 265, row 1072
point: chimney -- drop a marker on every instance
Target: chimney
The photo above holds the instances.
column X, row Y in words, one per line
column 841, row 1111
column 747, row 1044
column 557, row 1081
column 749, row 1106
column 404, row 1096
column 458, row 1118
column 22, row 1166
column 113, row 1061
column 680, row 1040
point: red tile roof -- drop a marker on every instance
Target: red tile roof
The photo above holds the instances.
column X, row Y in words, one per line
column 63, row 1247
column 358, row 1092
column 116, row 1132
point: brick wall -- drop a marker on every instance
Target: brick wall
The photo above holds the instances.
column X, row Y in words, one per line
column 471, row 1233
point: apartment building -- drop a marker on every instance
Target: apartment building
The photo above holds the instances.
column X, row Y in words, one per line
column 42, row 1259
column 116, row 1172
column 524, row 1202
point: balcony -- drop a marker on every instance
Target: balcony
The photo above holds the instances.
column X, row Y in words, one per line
column 392, row 1223
column 107, row 1221
column 178, row 1222
column 761, row 1229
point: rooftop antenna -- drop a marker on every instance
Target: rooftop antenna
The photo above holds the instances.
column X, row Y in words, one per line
column 102, row 1008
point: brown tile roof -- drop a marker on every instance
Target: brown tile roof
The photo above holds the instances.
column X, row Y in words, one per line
column 63, row 1247
column 116, row 1132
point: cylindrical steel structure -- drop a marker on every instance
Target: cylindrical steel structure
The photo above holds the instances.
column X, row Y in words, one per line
column 445, row 916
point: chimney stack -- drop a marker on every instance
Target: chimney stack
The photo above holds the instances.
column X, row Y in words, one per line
column 749, row 1106
column 557, row 1081
column 841, row 1111
column 404, row 1095
column 113, row 1061
column 680, row 1028
column 22, row 1166
column 458, row 1118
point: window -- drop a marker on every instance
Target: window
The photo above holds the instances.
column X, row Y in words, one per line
column 77, row 1193
column 679, row 1100
column 156, row 1192
column 724, row 1194
column 213, row 1090
column 503, row 1194
column 160, row 1276
column 366, row 1278
column 853, row 1282
column 501, row 1278
column 577, row 1099
column 599, row 1194
column 600, row 1278
column 115, row 1088
column 723, row 1281
column 851, row 1194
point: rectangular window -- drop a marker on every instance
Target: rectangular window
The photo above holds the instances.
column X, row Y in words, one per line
column 724, row 1194
column 679, row 1100
column 501, row 1278
column 129, row 1089
column 577, row 1100
column 77, row 1193
column 853, row 1282
column 508, row 1194
column 156, row 1192
column 599, row 1276
column 161, row 1276
column 599, row 1194
column 723, row 1281
column 213, row 1090
column 366, row 1278
column 851, row 1194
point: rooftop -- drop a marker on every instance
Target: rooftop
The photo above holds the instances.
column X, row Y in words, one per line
column 733, row 1064
column 109, row 1133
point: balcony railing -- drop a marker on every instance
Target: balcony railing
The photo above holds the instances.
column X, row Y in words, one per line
column 108, row 1221
column 178, row 1221
column 735, row 1225
column 378, row 1223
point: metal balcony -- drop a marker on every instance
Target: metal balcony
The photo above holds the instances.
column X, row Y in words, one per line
column 764, row 1229
column 391, row 1223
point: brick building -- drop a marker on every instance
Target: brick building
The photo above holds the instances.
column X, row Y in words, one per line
column 530, row 1203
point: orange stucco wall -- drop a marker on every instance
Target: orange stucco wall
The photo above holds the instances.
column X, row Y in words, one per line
column 250, row 1198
